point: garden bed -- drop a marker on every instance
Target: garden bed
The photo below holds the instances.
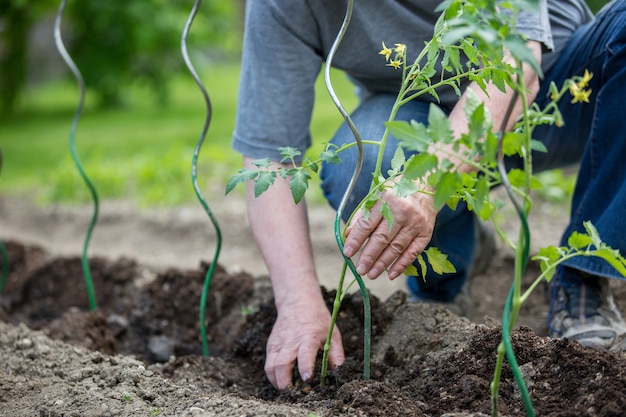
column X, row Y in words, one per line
column 140, row 352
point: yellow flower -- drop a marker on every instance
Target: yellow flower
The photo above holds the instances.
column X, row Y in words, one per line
column 386, row 52
column 400, row 48
column 396, row 63
column 587, row 76
column 579, row 95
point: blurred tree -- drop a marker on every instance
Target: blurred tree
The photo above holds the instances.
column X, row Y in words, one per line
column 118, row 42
column 16, row 19
column 115, row 42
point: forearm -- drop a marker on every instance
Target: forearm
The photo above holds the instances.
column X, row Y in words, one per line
column 496, row 103
column 281, row 230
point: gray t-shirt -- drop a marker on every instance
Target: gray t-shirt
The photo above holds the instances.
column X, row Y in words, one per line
column 286, row 42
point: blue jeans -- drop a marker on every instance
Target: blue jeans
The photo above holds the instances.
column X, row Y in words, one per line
column 594, row 135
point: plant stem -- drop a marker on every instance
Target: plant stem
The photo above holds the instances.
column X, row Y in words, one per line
column 333, row 320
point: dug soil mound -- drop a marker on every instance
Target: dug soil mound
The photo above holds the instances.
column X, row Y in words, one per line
column 140, row 352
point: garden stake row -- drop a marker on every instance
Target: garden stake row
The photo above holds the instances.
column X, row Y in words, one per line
column 194, row 179
column 81, row 84
column 338, row 234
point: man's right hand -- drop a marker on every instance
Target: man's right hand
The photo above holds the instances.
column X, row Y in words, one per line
column 298, row 335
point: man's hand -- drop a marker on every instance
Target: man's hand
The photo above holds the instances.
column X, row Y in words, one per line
column 396, row 248
column 298, row 335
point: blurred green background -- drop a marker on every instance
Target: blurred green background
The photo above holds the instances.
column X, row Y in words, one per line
column 143, row 112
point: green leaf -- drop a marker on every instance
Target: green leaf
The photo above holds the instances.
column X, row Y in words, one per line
column 262, row 163
column 299, row 183
column 404, row 188
column 439, row 261
column 397, row 161
column 512, row 143
column 243, row 175
column 613, row 257
column 446, row 187
column 263, row 182
column 412, row 136
column 593, row 233
column 538, row 146
column 330, row 156
column 418, row 165
column 518, row 48
column 579, row 240
column 517, row 178
column 387, row 214
column 481, row 196
column 288, row 153
column 549, row 254
column 439, row 125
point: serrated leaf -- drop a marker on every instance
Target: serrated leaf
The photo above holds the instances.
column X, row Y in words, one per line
column 397, row 161
column 550, row 254
column 387, row 214
column 419, row 165
column 412, row 136
column 538, row 146
column 288, row 152
column 481, row 196
column 404, row 188
column 518, row 48
column 593, row 233
column 439, row 262
column 299, row 183
column 263, row 182
column 330, row 156
column 262, row 163
column 243, row 175
column 439, row 125
column 512, row 143
column 579, row 240
column 613, row 257
column 446, row 187
column 517, row 178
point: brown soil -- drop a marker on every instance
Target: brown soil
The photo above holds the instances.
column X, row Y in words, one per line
column 140, row 353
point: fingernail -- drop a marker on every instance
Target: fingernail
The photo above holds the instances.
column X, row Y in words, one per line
column 306, row 376
column 393, row 275
column 360, row 269
column 348, row 251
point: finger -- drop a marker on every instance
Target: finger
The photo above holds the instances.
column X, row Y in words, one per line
column 378, row 241
column 360, row 229
column 279, row 365
column 391, row 252
column 306, row 359
column 336, row 355
column 407, row 257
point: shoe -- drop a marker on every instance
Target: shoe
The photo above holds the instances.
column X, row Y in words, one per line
column 585, row 312
column 484, row 251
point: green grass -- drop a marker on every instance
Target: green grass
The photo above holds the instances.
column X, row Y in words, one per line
column 142, row 151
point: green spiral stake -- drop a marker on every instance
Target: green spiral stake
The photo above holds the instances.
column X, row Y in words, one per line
column 357, row 170
column 510, row 311
column 194, row 179
column 81, row 84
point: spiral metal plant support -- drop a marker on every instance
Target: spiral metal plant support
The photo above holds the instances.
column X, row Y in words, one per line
column 194, row 179
column 94, row 194
column 507, row 320
column 350, row 188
